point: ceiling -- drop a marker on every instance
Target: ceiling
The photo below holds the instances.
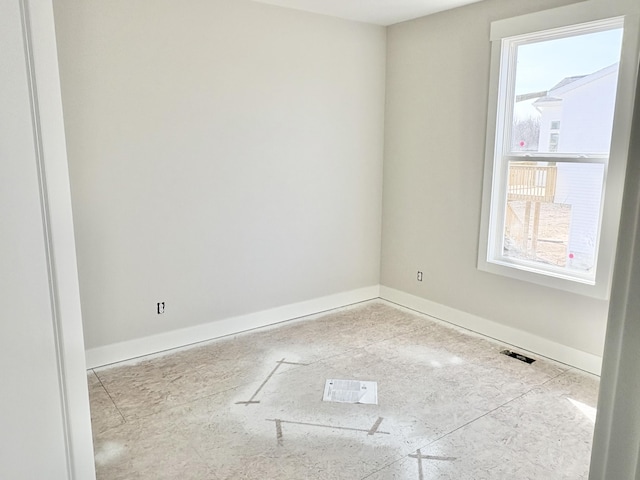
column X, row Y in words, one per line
column 379, row 12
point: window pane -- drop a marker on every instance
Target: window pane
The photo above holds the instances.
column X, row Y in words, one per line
column 553, row 213
column 565, row 93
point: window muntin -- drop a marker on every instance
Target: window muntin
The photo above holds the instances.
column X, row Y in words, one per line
column 548, row 78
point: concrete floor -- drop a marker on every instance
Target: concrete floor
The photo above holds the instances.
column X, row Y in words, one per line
column 450, row 406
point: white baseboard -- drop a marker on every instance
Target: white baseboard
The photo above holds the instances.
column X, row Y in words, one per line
column 503, row 333
column 108, row 354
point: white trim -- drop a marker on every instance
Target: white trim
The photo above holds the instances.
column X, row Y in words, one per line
column 154, row 344
column 615, row 452
column 615, row 449
column 130, row 349
column 575, row 16
column 503, row 333
column 55, row 192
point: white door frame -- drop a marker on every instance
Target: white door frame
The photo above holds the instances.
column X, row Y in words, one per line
column 40, row 46
column 616, row 446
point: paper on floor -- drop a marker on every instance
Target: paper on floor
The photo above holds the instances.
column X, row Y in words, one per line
column 351, row 391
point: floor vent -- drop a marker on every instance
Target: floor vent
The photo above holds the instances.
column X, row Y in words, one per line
column 518, row 356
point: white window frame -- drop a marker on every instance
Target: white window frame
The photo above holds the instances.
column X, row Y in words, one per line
column 494, row 186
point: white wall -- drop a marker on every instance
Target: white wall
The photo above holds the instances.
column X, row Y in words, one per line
column 225, row 157
column 436, row 109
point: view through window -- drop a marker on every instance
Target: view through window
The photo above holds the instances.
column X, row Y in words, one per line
column 557, row 134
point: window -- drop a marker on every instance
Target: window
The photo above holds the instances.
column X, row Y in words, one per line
column 551, row 206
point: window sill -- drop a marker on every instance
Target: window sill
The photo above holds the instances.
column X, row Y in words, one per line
column 580, row 286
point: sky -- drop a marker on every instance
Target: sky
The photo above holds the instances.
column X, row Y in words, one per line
column 542, row 65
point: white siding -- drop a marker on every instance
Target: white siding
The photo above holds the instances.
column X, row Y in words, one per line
column 580, row 186
column 588, row 116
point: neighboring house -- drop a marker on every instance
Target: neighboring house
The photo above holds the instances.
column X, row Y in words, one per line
column 578, row 111
column 576, row 117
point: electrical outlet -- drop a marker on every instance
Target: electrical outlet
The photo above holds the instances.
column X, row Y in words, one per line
column 419, row 276
column 160, row 307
